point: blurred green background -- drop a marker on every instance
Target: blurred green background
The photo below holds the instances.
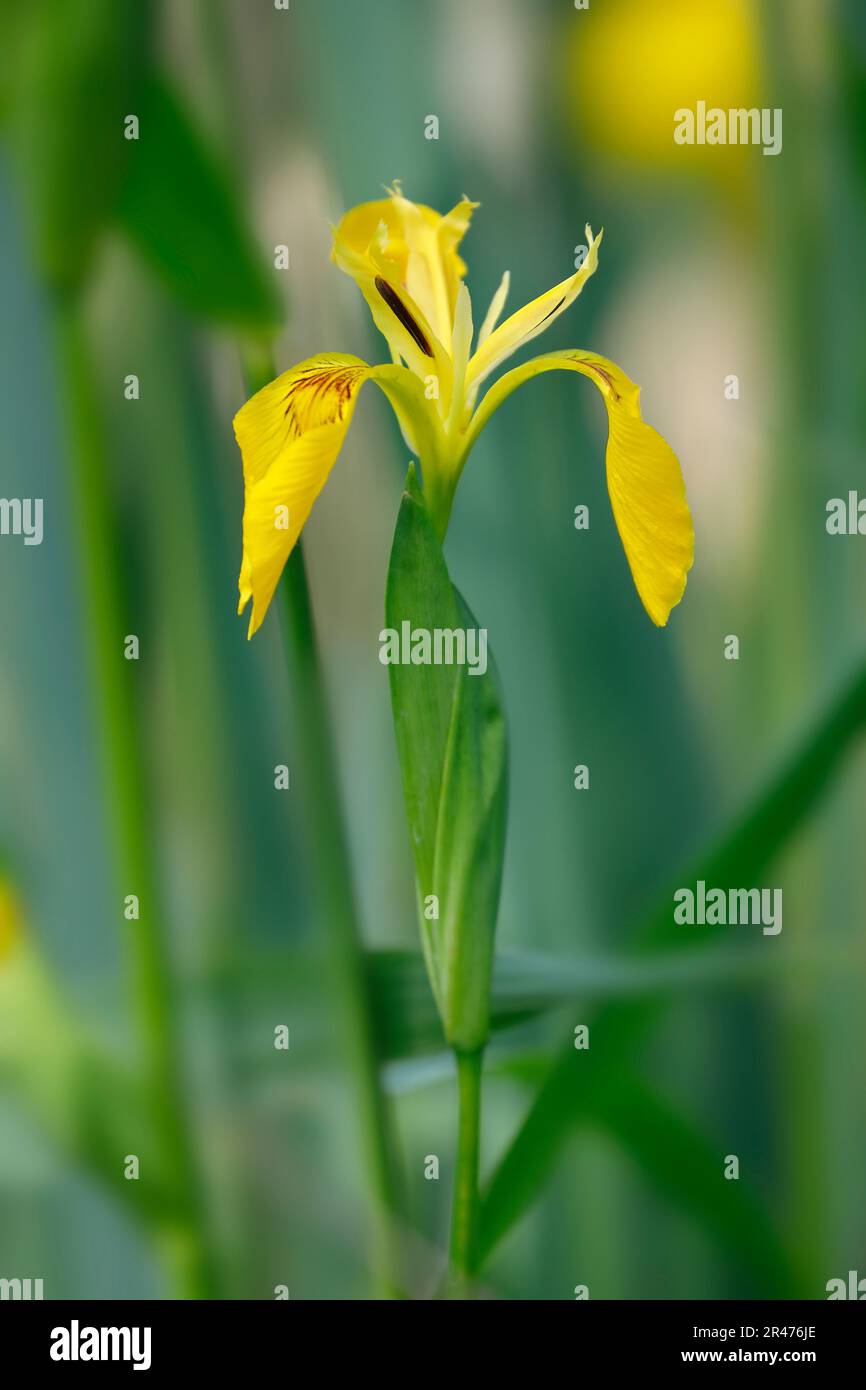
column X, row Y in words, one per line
column 155, row 1038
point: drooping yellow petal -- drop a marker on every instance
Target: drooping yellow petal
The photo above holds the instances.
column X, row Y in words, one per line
column 644, row 480
column 524, row 325
column 290, row 434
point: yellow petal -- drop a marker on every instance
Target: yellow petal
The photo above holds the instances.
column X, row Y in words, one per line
column 399, row 319
column 290, row 434
column 497, row 304
column 532, row 319
column 644, row 480
column 411, row 246
column 403, row 257
column 461, row 345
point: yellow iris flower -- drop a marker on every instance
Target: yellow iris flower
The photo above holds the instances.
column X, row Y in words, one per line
column 404, row 258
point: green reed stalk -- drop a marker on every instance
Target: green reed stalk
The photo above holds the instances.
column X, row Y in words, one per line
column 332, row 875
column 466, row 1202
column 182, row 1235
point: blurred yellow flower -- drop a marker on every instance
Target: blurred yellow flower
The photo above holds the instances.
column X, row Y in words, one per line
column 630, row 64
column 10, row 918
column 405, row 261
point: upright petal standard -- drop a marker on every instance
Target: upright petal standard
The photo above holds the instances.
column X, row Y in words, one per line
column 404, row 258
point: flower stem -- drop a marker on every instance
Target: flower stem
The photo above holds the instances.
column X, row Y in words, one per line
column 331, row 866
column 466, row 1206
column 182, row 1236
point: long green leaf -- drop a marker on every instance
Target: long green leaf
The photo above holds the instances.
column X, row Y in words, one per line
column 527, row 984
column 73, row 73
column 689, row 1171
column 470, row 845
column 451, row 745
column 179, row 209
column 577, row 1079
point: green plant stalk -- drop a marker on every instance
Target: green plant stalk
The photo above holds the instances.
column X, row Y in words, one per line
column 801, row 630
column 182, row 1238
column 466, row 1202
column 332, row 875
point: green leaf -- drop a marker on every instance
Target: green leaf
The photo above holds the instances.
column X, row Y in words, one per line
column 451, row 744
column 179, row 209
column 407, row 1020
column 422, row 697
column 527, row 984
column 688, row 1169
column 740, row 856
column 73, row 73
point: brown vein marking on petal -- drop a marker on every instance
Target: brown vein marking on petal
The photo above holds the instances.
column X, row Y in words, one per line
column 398, row 308
column 552, row 311
column 319, row 397
column 606, row 376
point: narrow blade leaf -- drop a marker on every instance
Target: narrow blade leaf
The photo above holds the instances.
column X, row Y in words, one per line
column 451, row 744
column 739, row 857
column 178, row 207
